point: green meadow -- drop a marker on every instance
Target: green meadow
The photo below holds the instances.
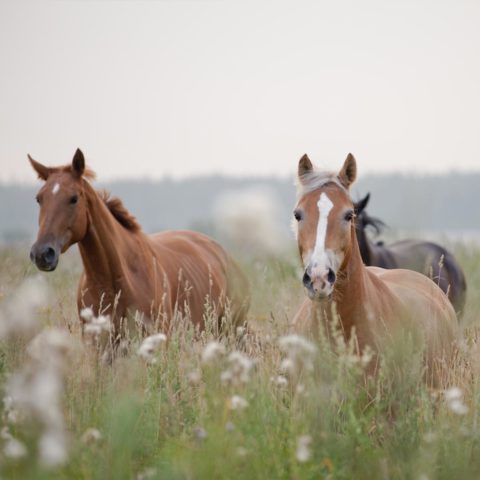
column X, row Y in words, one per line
column 260, row 404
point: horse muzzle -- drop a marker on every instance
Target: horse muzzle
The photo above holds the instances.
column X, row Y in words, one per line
column 45, row 256
column 319, row 285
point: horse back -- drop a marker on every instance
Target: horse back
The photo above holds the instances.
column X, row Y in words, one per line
column 437, row 263
column 418, row 300
column 199, row 271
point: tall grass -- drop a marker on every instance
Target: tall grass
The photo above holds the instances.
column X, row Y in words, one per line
column 300, row 411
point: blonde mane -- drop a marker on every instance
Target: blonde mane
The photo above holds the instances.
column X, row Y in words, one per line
column 316, row 179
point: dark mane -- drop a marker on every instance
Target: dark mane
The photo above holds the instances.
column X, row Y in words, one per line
column 377, row 224
column 118, row 210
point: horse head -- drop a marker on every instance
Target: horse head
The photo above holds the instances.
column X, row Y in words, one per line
column 63, row 217
column 325, row 229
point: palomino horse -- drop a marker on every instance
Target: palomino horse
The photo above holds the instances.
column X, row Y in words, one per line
column 424, row 257
column 376, row 303
column 126, row 270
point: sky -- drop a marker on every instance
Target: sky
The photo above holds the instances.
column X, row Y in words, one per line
column 149, row 89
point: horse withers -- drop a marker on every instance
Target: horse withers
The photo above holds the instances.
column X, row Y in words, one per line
column 429, row 258
column 125, row 270
column 373, row 302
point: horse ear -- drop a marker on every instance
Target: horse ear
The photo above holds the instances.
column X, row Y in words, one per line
column 42, row 171
column 360, row 206
column 78, row 163
column 304, row 167
column 348, row 173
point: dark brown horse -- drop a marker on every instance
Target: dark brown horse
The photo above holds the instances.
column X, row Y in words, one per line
column 156, row 275
column 428, row 258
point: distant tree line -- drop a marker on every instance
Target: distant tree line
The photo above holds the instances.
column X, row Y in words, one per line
column 437, row 203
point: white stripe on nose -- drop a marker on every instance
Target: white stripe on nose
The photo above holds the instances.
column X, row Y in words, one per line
column 56, row 188
column 319, row 256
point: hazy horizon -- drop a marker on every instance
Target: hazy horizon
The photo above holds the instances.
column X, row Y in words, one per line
column 289, row 177
column 181, row 88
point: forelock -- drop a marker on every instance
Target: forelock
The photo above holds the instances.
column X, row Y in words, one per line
column 314, row 180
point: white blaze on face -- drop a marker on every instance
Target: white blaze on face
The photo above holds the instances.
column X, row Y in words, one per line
column 319, row 257
column 56, row 188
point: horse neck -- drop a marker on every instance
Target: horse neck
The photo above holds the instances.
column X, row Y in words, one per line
column 349, row 292
column 106, row 245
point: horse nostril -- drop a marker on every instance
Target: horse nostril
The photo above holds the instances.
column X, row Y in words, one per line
column 331, row 276
column 49, row 255
column 307, row 281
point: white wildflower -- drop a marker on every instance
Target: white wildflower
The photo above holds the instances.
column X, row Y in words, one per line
column 280, row 381
column 91, row 436
column 295, row 345
column 240, row 331
column 299, row 351
column 226, row 377
column 53, row 448
column 301, row 390
column 458, row 407
column 303, row 452
column 87, row 314
column 237, row 402
column 14, row 449
column 367, row 356
column 453, row 393
column 50, row 346
column 200, row 433
column 97, row 325
column 350, row 359
column 229, row 427
column 10, row 413
column 454, row 399
column 194, row 377
column 150, row 345
column 36, row 391
column 212, row 352
column 288, row 366
column 238, row 371
column 241, row 451
column 5, row 433
column 146, row 474
column 18, row 313
column 7, row 402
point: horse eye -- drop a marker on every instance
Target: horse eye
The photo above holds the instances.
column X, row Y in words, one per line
column 349, row 216
column 298, row 215
column 73, row 200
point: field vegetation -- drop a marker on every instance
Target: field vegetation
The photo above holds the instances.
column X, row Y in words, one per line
column 192, row 406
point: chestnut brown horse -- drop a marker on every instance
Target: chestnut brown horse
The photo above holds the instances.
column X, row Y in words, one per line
column 424, row 257
column 375, row 302
column 125, row 270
